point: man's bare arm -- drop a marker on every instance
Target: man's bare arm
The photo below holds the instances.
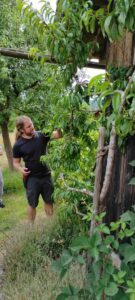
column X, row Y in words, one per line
column 17, row 165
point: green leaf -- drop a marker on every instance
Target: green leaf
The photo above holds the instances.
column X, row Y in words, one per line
column 80, row 259
column 126, row 2
column 92, row 24
column 109, row 4
column 114, row 225
column 104, row 229
column 121, row 296
column 110, row 269
column 132, row 163
column 111, row 290
column 114, row 33
column 132, row 181
column 106, row 104
column 61, row 297
column 80, row 243
column 63, row 273
column 66, row 258
column 107, row 24
column 95, row 240
column 122, row 17
column 70, row 293
column 99, row 12
column 128, row 252
column 109, row 240
column 95, row 81
column 128, row 216
column 116, row 102
column 129, row 232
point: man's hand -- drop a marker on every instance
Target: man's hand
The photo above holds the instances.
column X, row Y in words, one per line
column 17, row 165
column 56, row 134
column 25, row 171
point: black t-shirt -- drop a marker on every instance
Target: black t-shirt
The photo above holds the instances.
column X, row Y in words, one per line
column 31, row 150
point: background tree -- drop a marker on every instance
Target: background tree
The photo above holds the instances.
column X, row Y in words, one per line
column 19, row 79
column 72, row 36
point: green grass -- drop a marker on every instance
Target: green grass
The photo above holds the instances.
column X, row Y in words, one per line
column 14, row 197
column 14, row 211
column 29, row 271
column 15, row 201
column 29, row 250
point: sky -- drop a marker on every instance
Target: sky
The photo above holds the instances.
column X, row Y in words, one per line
column 36, row 3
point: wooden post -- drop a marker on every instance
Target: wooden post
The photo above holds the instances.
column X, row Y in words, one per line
column 98, row 176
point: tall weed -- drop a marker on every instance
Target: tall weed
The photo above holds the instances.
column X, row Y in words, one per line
column 28, row 268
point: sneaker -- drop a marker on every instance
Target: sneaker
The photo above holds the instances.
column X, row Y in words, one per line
column 1, row 204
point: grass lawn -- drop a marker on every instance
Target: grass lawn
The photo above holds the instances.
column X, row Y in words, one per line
column 15, row 211
column 29, row 250
column 14, row 197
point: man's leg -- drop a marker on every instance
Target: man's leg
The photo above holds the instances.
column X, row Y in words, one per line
column 32, row 191
column 31, row 213
column 47, row 194
column 49, row 209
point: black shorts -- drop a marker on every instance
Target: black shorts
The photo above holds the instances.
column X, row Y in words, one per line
column 39, row 186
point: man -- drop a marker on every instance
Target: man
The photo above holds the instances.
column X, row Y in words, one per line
column 1, row 183
column 29, row 146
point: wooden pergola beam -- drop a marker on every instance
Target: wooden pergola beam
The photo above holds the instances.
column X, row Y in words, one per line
column 25, row 55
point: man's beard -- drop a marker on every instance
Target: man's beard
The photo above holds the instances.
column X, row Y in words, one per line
column 31, row 134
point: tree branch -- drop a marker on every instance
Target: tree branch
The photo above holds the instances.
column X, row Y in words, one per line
column 25, row 55
column 78, row 212
column 109, row 165
column 83, row 191
column 14, row 53
column 98, row 175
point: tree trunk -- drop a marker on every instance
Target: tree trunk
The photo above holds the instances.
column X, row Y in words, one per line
column 120, row 195
column 121, row 53
column 7, row 145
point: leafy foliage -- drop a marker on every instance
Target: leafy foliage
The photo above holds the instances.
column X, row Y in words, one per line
column 112, row 268
column 110, row 91
column 72, row 35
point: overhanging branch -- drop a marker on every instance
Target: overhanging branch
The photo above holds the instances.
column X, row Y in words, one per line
column 14, row 53
column 25, row 55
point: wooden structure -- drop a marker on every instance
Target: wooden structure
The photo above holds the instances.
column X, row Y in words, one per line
column 121, row 196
